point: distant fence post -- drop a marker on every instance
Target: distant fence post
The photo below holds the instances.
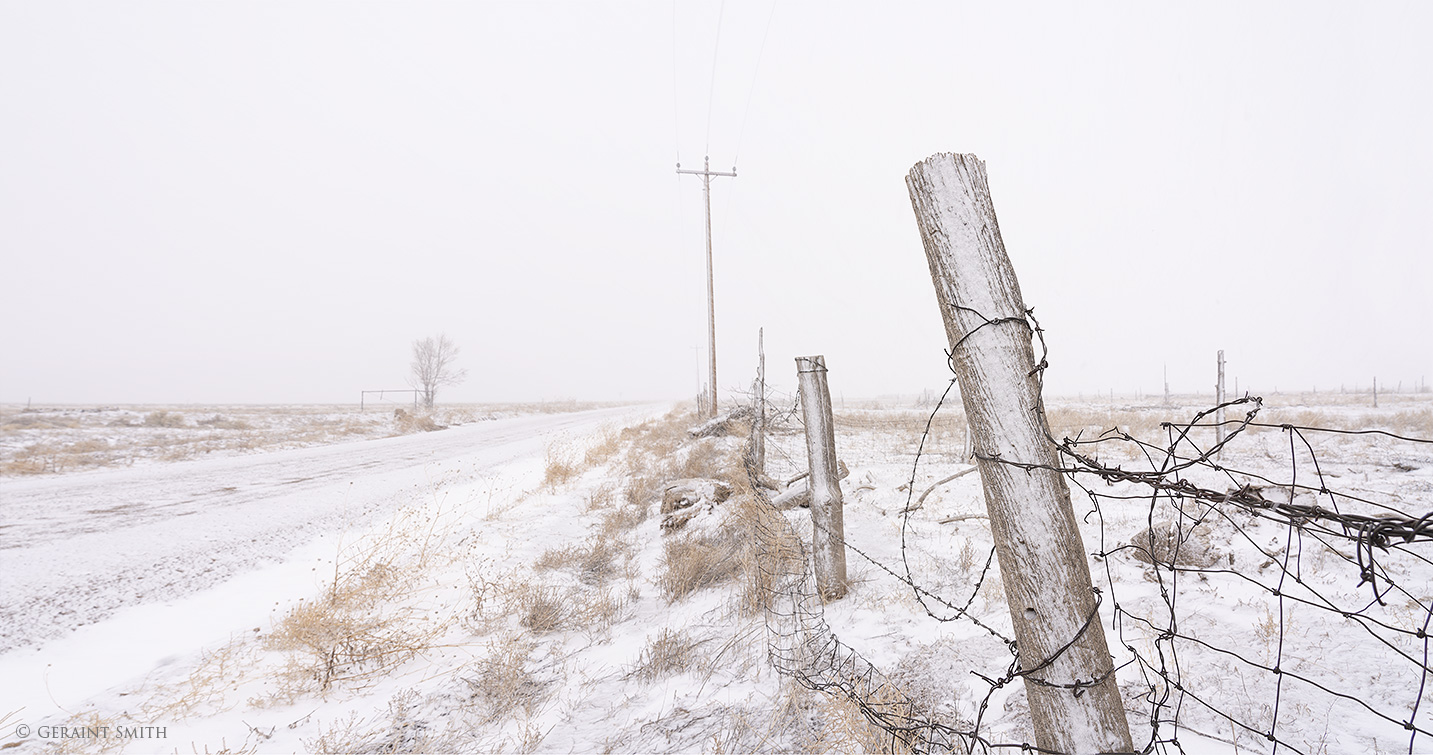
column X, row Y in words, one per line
column 1075, row 704
column 363, row 396
column 1219, row 402
column 828, row 539
column 758, row 428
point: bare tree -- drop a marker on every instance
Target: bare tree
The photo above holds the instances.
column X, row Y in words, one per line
column 433, row 367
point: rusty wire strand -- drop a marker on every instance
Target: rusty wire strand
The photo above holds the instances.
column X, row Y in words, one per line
column 801, row 644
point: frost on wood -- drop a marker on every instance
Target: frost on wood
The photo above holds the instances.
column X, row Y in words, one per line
column 1074, row 702
column 828, row 547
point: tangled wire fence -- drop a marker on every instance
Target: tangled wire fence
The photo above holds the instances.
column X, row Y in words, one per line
column 1251, row 602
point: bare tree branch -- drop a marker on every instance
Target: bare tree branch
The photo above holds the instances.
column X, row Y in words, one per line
column 433, row 367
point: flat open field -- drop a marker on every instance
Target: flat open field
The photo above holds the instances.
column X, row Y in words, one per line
column 546, row 595
column 62, row 439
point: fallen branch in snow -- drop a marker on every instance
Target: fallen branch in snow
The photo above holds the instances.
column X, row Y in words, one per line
column 721, row 425
column 921, row 501
column 794, row 497
column 962, row 517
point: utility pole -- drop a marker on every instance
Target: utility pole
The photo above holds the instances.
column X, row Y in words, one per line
column 707, row 173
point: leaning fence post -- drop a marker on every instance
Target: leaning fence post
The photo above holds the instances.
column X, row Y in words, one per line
column 828, row 538
column 1069, row 675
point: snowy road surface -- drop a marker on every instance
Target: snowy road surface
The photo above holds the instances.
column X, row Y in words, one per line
column 75, row 549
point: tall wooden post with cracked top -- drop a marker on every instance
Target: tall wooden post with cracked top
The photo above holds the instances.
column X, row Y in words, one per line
column 1064, row 658
column 828, row 538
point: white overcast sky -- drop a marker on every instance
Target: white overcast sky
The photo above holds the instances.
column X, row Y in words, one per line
column 268, row 202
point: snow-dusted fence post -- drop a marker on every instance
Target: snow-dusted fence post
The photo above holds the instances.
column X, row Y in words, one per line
column 828, row 538
column 1219, row 403
column 1069, row 675
column 758, row 427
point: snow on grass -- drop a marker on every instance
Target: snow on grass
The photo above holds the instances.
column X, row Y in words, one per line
column 538, row 605
column 63, row 439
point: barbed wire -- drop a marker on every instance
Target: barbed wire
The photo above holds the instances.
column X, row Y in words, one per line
column 1186, row 497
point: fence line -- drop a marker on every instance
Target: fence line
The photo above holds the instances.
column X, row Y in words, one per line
column 1347, row 557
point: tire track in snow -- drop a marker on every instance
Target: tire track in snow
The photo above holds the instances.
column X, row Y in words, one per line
column 75, row 549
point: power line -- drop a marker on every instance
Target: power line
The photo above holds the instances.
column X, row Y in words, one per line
column 711, row 90
column 676, row 105
column 751, row 90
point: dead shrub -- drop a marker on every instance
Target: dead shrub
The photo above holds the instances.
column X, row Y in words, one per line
column 505, row 681
column 406, row 422
column 1167, row 544
column 161, row 418
column 371, row 619
column 203, row 691
column 354, row 633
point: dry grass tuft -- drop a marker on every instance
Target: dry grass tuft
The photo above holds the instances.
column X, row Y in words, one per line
column 622, row 519
column 692, row 562
column 821, row 722
column 600, row 498
column 46, row 458
column 507, row 681
column 220, row 422
column 767, row 550
column 602, row 451
column 402, row 732
column 667, row 653
column 562, row 466
column 594, row 562
column 542, row 609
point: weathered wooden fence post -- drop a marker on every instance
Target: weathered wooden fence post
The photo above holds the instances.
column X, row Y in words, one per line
column 758, row 428
column 828, row 538
column 1219, row 402
column 1069, row 674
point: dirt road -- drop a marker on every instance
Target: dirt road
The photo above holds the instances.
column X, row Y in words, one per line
column 75, row 549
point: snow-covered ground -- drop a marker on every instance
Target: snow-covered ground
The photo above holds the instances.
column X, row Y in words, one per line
column 509, row 586
column 45, row 440
column 111, row 574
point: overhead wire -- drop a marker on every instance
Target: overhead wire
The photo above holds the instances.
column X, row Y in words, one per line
column 711, row 90
column 676, row 104
column 751, row 90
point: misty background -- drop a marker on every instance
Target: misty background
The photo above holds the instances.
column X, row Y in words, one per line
column 268, row 202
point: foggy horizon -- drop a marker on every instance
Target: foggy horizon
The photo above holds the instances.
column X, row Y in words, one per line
column 241, row 204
